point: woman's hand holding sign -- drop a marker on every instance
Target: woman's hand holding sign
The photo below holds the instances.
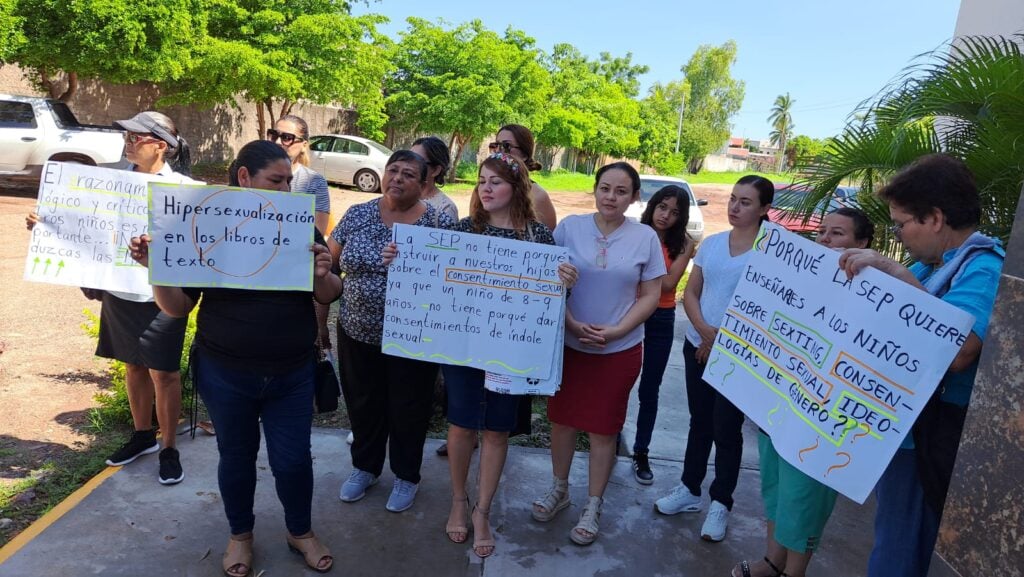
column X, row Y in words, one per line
column 139, row 249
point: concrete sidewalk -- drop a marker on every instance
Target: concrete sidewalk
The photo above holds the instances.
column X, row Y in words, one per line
column 130, row 525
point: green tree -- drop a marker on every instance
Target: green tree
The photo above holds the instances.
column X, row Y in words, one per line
column 621, row 71
column 659, row 111
column 781, row 119
column 276, row 52
column 714, row 97
column 803, row 148
column 964, row 99
column 590, row 110
column 464, row 81
column 116, row 40
column 11, row 34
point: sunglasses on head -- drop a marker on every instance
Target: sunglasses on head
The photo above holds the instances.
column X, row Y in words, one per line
column 136, row 137
column 503, row 146
column 286, row 138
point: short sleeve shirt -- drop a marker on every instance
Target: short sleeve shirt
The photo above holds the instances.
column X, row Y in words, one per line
column 721, row 271
column 536, row 232
column 441, row 202
column 973, row 291
column 610, row 272
column 310, row 181
column 362, row 235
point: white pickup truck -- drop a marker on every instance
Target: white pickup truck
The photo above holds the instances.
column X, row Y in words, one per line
column 34, row 130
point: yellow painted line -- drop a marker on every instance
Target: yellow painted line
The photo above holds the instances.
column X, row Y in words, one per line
column 42, row 523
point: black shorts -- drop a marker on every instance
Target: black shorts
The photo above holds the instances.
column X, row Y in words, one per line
column 140, row 334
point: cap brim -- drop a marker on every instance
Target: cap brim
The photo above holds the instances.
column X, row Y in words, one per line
column 131, row 126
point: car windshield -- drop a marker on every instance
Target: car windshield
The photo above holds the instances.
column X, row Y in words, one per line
column 380, row 147
column 648, row 187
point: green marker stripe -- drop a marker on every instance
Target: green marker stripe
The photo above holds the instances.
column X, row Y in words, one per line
column 400, row 348
column 451, row 360
column 513, row 369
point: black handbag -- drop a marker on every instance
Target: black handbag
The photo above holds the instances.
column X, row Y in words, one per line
column 327, row 388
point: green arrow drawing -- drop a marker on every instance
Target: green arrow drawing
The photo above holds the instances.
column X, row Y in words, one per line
column 60, row 266
column 47, row 267
column 35, row 263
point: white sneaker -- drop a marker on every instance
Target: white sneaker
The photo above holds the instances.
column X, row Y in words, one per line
column 351, row 438
column 716, row 523
column 680, row 500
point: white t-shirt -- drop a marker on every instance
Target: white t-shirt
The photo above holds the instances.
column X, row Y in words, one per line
column 721, row 273
column 168, row 175
column 604, row 294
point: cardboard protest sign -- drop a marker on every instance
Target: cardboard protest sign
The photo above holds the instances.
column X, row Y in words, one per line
column 513, row 385
column 481, row 301
column 834, row 370
column 218, row 236
column 88, row 216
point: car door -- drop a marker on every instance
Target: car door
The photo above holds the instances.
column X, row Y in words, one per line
column 320, row 148
column 355, row 157
column 20, row 134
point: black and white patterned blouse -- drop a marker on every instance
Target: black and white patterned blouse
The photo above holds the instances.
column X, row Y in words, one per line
column 362, row 235
column 537, row 232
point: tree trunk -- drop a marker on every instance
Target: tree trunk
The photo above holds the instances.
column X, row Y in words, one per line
column 261, row 119
column 286, row 108
column 458, row 143
column 782, row 153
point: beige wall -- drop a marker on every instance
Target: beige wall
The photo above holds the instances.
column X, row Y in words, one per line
column 215, row 134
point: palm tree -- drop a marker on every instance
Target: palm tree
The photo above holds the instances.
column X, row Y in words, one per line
column 966, row 99
column 782, row 124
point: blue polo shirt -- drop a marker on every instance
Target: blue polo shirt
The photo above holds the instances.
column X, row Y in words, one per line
column 974, row 291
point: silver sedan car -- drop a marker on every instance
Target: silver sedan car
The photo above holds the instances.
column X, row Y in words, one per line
column 349, row 160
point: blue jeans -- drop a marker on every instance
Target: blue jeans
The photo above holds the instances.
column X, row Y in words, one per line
column 658, row 332
column 238, row 400
column 905, row 526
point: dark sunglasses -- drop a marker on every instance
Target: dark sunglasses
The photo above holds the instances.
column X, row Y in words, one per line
column 286, row 138
column 505, row 146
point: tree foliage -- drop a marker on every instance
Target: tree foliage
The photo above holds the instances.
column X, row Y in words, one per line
column 116, row 40
column 464, row 81
column 276, row 52
column 781, row 120
column 965, row 99
column 714, row 97
column 12, row 37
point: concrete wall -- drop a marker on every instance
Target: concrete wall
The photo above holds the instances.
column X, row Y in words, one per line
column 215, row 134
column 982, row 530
column 722, row 163
column 990, row 17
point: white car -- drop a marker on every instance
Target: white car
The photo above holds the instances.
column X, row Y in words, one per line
column 349, row 160
column 650, row 184
column 35, row 130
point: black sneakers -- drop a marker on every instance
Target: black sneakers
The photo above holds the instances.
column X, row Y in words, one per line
column 170, row 467
column 141, row 443
column 642, row 469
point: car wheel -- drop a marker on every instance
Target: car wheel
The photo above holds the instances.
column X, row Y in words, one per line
column 367, row 181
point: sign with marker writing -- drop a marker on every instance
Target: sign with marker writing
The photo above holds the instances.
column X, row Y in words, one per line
column 218, row 236
column 514, row 385
column 87, row 217
column 481, row 301
column 834, row 370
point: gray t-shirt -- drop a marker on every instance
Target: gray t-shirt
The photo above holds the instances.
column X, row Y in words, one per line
column 610, row 272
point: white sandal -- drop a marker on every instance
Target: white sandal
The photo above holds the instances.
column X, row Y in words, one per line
column 585, row 532
column 546, row 508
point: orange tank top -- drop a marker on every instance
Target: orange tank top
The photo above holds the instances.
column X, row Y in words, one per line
column 668, row 298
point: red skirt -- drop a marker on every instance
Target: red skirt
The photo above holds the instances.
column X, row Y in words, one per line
column 595, row 390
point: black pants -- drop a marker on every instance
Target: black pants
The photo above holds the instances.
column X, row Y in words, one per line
column 389, row 402
column 713, row 419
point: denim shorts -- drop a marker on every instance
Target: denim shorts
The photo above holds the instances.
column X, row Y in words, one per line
column 471, row 406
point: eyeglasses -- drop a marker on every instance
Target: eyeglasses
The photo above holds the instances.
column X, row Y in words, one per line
column 506, row 146
column 897, row 229
column 602, row 252
column 286, row 138
column 136, row 137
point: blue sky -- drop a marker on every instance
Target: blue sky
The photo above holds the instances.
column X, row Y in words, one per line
column 828, row 54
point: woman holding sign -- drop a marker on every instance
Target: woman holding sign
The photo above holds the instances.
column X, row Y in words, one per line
column 389, row 398
column 254, row 366
column 500, row 206
column 796, row 505
column 620, row 266
column 935, row 211
column 133, row 330
column 713, row 418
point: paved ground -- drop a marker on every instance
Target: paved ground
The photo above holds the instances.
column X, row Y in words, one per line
column 130, row 525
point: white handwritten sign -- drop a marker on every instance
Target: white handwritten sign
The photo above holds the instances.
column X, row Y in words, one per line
column 481, row 301
column 835, row 371
column 218, row 236
column 87, row 218
column 514, row 385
